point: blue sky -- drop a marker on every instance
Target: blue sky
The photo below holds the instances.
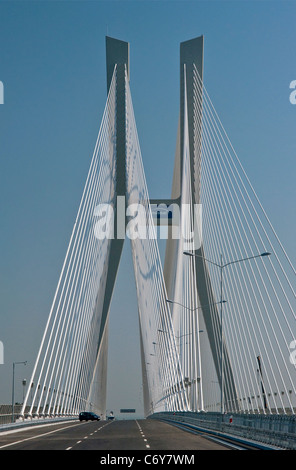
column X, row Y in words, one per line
column 52, row 65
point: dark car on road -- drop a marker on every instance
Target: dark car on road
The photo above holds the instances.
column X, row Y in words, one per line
column 88, row 416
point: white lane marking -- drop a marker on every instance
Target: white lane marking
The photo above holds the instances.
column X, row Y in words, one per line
column 142, row 435
column 68, row 448
column 78, row 442
column 36, row 437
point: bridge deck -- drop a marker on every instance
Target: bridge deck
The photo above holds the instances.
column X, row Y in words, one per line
column 143, row 435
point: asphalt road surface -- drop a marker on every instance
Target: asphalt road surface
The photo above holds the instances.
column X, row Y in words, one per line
column 137, row 435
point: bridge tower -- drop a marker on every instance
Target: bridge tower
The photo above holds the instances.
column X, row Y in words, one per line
column 117, row 61
column 191, row 98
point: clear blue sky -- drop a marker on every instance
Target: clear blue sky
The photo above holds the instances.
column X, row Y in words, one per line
column 52, row 65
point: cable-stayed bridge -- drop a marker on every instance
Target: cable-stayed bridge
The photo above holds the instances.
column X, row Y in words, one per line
column 217, row 321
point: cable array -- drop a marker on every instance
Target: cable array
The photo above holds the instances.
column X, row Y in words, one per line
column 184, row 304
column 63, row 373
column 245, row 362
column 163, row 382
column 259, row 313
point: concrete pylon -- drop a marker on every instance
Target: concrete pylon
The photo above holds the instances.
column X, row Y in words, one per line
column 191, row 56
column 117, row 55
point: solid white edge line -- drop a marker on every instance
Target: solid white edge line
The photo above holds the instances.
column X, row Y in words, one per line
column 36, row 437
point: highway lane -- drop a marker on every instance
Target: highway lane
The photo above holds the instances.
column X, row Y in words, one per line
column 142, row 435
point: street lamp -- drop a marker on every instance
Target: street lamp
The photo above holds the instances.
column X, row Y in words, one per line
column 24, row 382
column 13, row 368
column 221, row 266
column 197, row 380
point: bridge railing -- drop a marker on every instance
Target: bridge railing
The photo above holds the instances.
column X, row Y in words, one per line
column 274, row 430
column 6, row 416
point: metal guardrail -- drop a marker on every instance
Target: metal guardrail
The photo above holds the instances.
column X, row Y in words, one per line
column 273, row 430
column 6, row 413
column 7, row 421
column 34, row 422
